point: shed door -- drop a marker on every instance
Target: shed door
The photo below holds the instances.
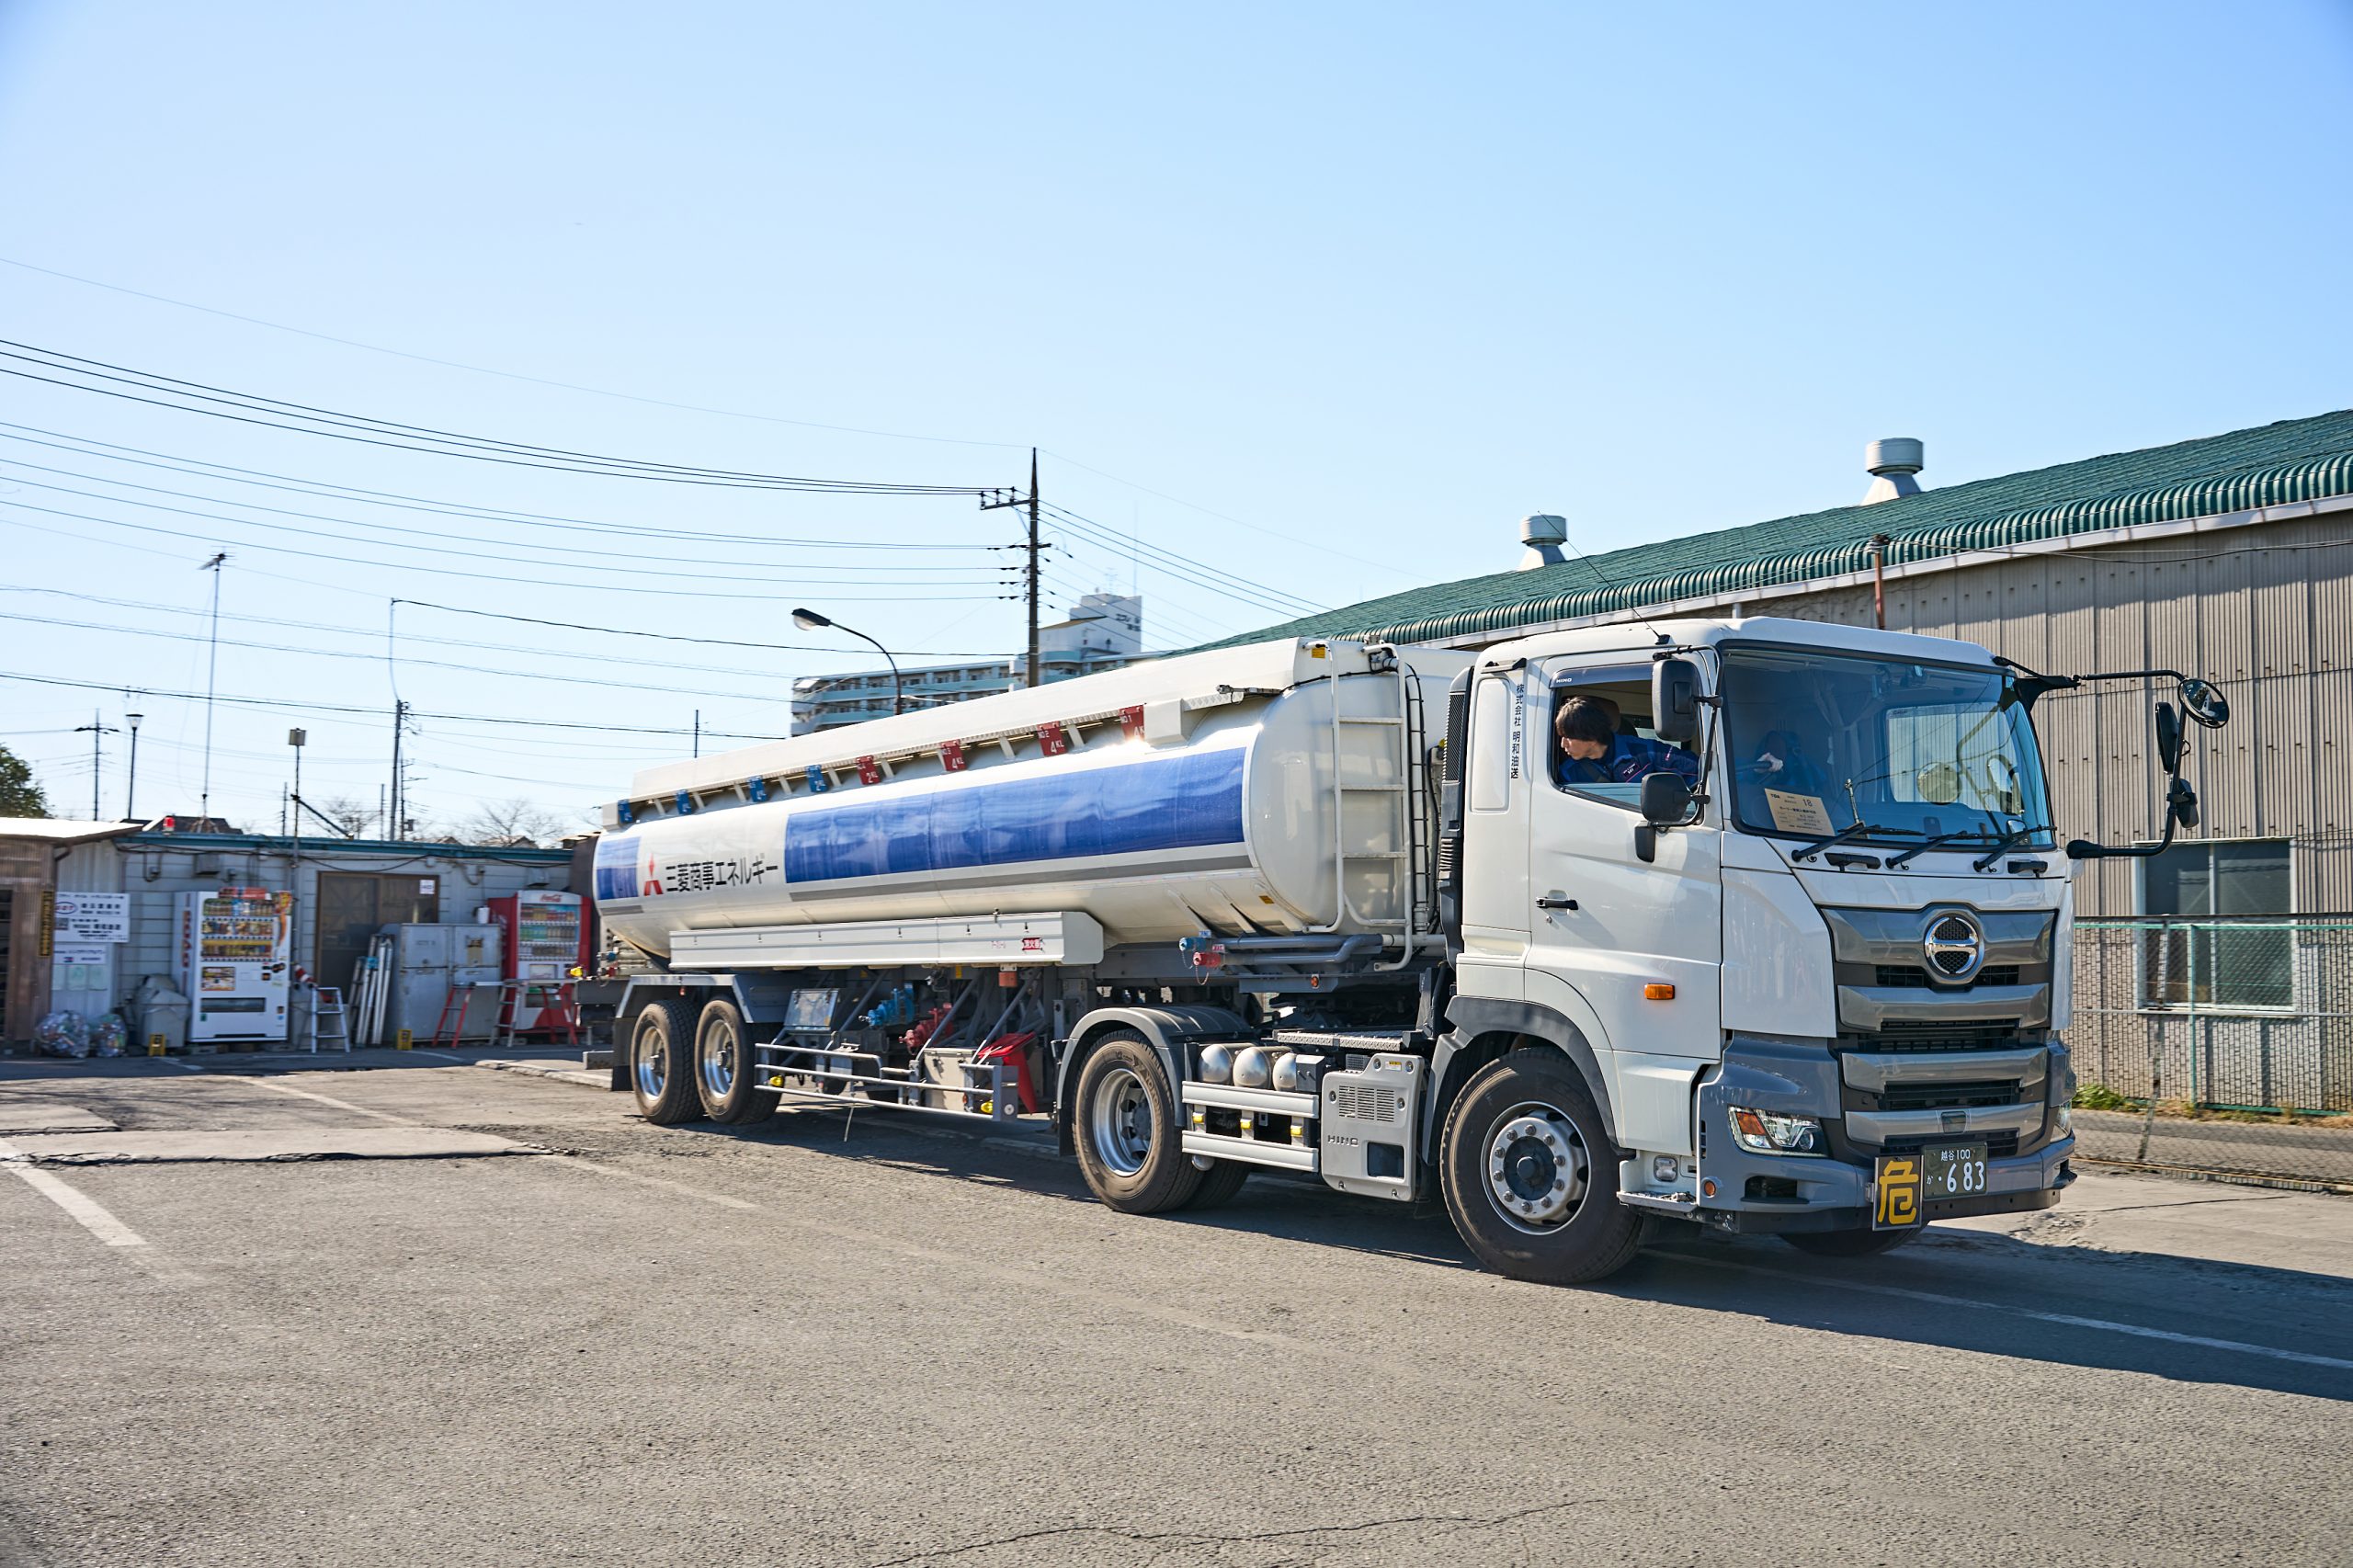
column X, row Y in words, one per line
column 353, row 905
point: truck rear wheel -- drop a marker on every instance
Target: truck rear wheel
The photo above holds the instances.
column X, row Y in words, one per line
column 727, row 1069
column 1530, row 1175
column 661, row 1064
column 1128, row 1146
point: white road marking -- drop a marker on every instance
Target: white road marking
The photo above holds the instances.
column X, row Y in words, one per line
column 681, row 1188
column 2069, row 1320
column 91, row 1215
column 277, row 1087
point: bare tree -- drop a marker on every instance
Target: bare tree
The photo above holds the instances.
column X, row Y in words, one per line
column 512, row 824
column 349, row 813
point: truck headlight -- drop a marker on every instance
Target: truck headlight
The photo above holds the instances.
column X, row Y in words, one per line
column 1766, row 1133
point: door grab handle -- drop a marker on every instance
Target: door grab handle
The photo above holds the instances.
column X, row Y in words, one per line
column 1556, row 902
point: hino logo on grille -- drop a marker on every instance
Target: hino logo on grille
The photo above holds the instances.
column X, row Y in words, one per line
column 1954, row 945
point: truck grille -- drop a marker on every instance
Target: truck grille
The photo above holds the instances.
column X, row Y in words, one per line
column 1908, row 978
column 1357, row 1102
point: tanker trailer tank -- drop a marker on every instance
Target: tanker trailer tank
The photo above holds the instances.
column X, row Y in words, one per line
column 1214, row 792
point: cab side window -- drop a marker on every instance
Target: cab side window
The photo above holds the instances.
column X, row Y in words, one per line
column 1601, row 744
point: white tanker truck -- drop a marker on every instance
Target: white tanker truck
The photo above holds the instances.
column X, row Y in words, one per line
column 1778, row 943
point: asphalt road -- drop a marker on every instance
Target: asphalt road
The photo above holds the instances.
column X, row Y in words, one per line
column 886, row 1345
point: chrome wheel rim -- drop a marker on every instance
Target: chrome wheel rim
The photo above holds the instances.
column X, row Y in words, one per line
column 651, row 1063
column 716, row 1061
column 1118, row 1121
column 1538, row 1169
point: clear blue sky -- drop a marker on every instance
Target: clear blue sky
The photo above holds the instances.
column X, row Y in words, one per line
column 1338, row 294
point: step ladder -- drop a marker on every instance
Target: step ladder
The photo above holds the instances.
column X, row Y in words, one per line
column 1400, row 807
column 329, row 1023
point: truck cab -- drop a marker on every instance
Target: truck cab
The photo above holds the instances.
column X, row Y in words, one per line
column 1804, row 939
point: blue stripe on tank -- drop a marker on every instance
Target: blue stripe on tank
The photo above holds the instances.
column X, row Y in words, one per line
column 617, row 867
column 1178, row 802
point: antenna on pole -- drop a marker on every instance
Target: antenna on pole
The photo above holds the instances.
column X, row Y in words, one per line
column 211, row 667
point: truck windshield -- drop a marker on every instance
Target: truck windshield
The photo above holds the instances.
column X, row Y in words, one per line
column 1822, row 744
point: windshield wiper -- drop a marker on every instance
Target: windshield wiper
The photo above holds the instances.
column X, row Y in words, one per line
column 1926, row 845
column 2003, row 846
column 1851, row 830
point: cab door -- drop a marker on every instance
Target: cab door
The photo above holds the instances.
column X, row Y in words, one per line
column 1495, row 839
column 1607, row 926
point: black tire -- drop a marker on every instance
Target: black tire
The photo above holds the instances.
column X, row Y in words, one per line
column 1849, row 1243
column 1129, row 1148
column 727, row 1069
column 1525, row 1133
column 662, row 1064
column 1219, row 1184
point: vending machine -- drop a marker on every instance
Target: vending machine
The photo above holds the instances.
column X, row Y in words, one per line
column 234, row 946
column 546, row 937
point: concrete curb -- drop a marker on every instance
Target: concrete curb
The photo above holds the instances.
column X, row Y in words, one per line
column 586, row 1079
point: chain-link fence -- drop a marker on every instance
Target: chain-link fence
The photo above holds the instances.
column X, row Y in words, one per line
column 2217, row 1045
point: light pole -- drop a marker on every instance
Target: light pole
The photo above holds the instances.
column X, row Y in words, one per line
column 810, row 620
column 130, row 790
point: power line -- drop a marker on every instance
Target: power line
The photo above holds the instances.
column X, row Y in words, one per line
column 282, row 705
column 632, row 570
column 422, row 533
column 1234, row 589
column 1104, row 534
column 309, row 419
column 599, row 681
column 346, row 559
column 1227, row 518
column 282, row 624
column 201, row 468
column 486, row 371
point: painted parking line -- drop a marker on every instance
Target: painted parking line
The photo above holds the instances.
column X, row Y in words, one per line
column 87, row 1210
column 2065, row 1319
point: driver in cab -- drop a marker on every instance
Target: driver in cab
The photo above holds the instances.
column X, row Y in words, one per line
column 1592, row 752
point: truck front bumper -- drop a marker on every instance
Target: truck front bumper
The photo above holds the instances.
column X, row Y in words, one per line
column 1773, row 1194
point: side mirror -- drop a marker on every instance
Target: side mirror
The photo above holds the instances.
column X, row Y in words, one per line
column 2204, row 704
column 1667, row 799
column 2181, row 802
column 1675, row 701
column 2169, row 738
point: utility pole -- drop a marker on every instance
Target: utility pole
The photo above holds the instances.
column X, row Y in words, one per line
column 211, row 666
column 97, row 731
column 996, row 500
column 400, row 722
column 698, row 732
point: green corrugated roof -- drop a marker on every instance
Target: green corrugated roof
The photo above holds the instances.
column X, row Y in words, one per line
column 2297, row 459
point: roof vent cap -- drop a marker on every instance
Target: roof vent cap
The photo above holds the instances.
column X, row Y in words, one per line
column 1892, row 463
column 1543, row 533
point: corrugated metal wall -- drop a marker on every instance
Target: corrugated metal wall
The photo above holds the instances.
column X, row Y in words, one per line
column 2266, row 611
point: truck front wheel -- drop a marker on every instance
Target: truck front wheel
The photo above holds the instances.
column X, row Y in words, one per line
column 662, row 1064
column 1530, row 1176
column 1848, row 1243
column 1128, row 1146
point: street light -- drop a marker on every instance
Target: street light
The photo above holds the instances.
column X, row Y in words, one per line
column 130, row 790
column 810, row 620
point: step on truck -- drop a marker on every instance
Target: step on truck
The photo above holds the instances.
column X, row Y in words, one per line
column 1760, row 926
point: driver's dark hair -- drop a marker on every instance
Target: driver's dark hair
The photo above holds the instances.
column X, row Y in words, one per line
column 1582, row 719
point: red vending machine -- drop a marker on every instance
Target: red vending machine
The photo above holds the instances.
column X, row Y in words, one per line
column 547, row 934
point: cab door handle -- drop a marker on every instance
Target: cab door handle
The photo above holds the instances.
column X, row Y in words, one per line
column 1554, row 901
